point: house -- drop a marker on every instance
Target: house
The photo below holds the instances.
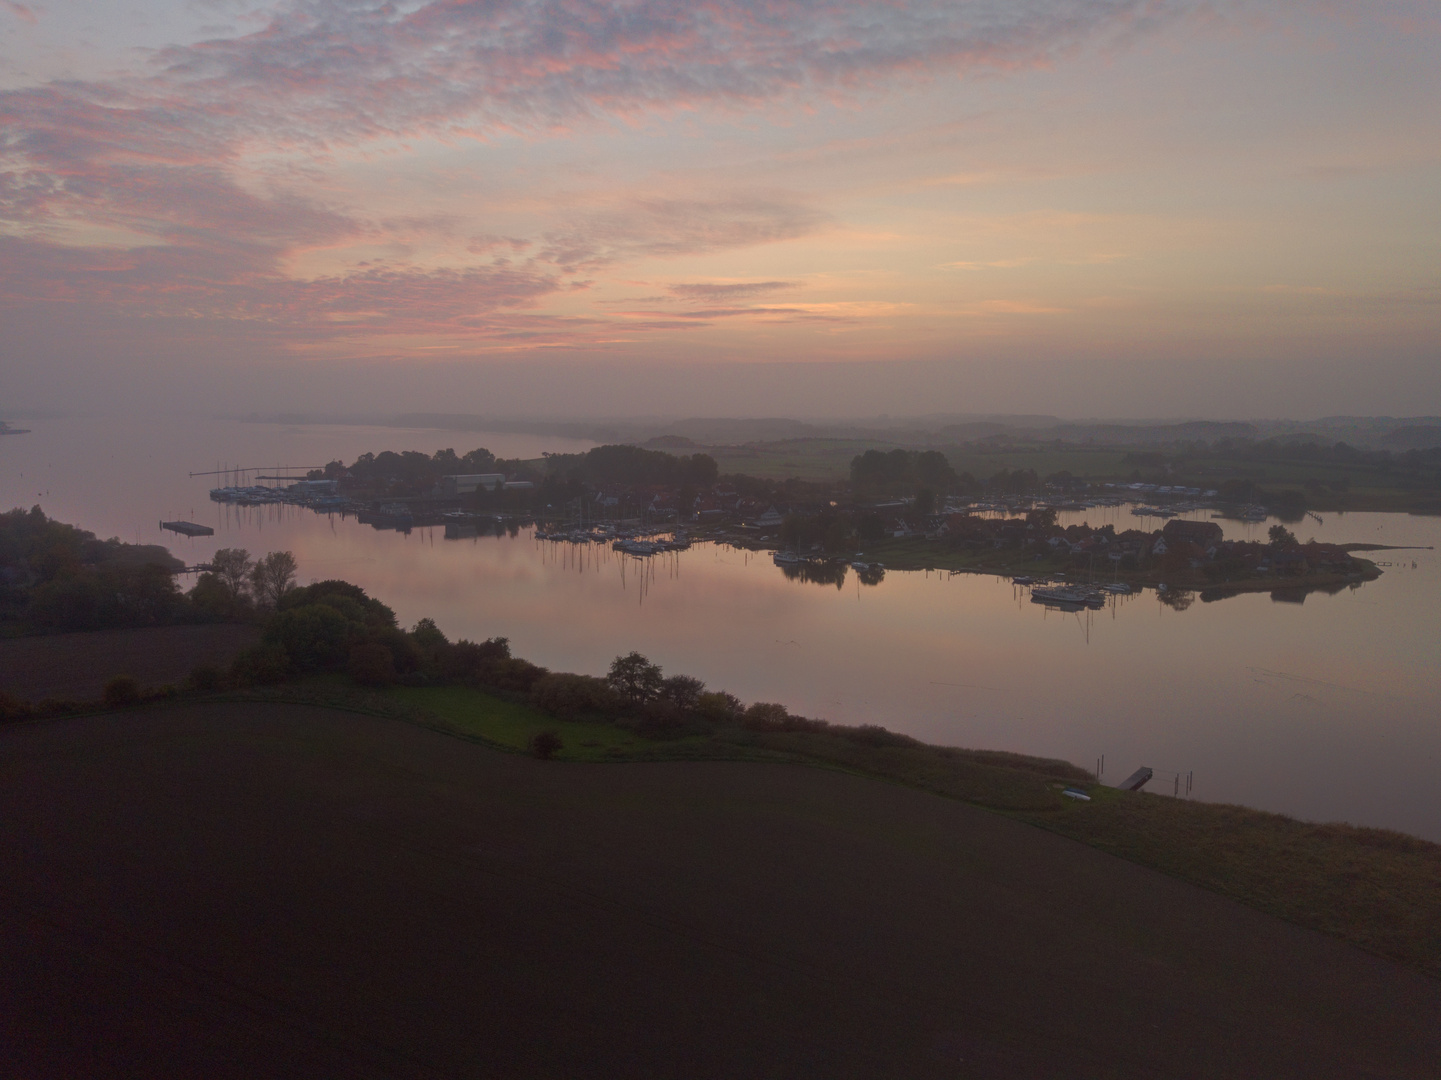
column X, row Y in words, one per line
column 770, row 518
column 452, row 487
column 1289, row 561
column 707, row 509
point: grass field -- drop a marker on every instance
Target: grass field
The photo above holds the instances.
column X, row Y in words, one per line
column 76, row 667
column 1373, row 888
column 254, row 889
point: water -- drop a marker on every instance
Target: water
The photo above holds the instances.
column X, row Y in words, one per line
column 1327, row 710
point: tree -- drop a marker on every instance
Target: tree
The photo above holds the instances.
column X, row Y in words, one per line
column 925, row 504
column 793, row 529
column 1281, row 536
column 871, row 529
column 682, row 691
column 372, row 664
column 232, row 567
column 575, row 697
column 719, row 707
column 935, row 472
column 272, row 577
column 315, row 637
column 122, row 692
column 635, row 678
column 212, row 596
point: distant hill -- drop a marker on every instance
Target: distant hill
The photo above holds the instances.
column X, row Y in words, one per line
column 1152, row 434
column 934, row 430
column 1413, row 437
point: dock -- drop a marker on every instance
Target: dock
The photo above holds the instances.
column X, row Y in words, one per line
column 1137, row 780
column 187, row 528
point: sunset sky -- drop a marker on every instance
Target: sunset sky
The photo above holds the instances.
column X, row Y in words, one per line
column 1087, row 207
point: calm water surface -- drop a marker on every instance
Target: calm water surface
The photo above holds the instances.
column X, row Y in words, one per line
column 1328, row 709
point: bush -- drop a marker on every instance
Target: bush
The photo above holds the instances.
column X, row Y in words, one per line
column 314, row 636
column 13, row 708
column 466, row 661
column 719, row 707
column 766, row 716
column 516, row 676
column 344, row 597
column 213, row 598
column 682, row 691
column 405, row 654
column 660, row 720
column 122, row 692
column 207, row 678
column 263, row 663
column 573, row 697
column 874, row 735
column 545, row 745
column 371, row 664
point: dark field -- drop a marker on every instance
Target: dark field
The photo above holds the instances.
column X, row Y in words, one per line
column 275, row 890
column 76, row 667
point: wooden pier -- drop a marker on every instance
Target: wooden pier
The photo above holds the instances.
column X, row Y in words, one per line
column 187, row 528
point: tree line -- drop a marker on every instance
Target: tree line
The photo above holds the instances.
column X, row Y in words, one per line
column 416, row 473
column 56, row 578
column 334, row 626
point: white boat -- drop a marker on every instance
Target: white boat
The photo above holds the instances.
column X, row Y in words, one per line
column 1068, row 597
column 1117, row 587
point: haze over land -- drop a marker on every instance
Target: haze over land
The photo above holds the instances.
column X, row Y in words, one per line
column 1109, row 208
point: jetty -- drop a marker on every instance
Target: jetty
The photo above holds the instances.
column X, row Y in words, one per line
column 187, row 528
column 1137, row 780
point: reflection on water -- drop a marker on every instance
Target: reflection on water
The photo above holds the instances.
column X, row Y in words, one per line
column 1326, row 709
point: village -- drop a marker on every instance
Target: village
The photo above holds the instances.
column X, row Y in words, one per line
column 644, row 502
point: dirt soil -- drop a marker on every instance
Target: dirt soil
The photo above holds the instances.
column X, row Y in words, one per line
column 243, row 890
column 76, row 667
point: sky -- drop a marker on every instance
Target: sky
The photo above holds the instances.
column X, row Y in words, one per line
column 1223, row 208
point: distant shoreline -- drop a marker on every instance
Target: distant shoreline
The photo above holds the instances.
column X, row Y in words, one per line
column 909, row 555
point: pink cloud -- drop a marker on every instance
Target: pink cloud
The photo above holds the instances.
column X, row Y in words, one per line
column 20, row 11
column 196, row 283
column 710, row 292
column 160, row 154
